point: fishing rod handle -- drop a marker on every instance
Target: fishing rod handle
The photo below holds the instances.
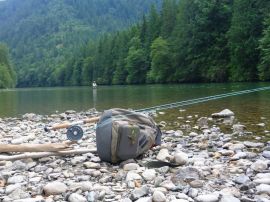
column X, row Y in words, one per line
column 91, row 120
column 59, row 126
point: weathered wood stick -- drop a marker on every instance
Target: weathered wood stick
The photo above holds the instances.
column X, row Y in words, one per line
column 46, row 154
column 49, row 147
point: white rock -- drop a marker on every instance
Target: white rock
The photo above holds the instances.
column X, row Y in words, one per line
column 54, row 188
column 144, row 199
column 131, row 175
column 164, row 155
column 262, row 175
column 179, row 200
column 16, row 179
column 74, row 197
column 180, row 158
column 12, row 187
column 37, row 199
column 262, row 181
column 131, row 166
column 259, row 165
column 207, row 198
column 168, row 185
column 159, row 197
column 229, row 198
column 263, row 189
column 149, row 174
column 223, row 113
column 92, row 165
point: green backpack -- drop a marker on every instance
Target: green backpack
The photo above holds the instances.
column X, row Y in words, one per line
column 122, row 134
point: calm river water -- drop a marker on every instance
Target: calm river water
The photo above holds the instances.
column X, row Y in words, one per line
column 250, row 108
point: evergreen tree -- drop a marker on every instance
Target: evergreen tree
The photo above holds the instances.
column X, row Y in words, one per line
column 168, row 17
column 264, row 66
column 161, row 69
column 136, row 62
column 244, row 35
column 7, row 74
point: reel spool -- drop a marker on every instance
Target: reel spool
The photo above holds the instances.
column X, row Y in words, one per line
column 74, row 133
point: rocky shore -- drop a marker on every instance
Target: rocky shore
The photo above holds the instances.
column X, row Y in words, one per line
column 202, row 164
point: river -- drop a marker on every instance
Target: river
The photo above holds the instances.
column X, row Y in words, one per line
column 249, row 109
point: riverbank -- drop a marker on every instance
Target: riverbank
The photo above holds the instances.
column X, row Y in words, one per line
column 204, row 164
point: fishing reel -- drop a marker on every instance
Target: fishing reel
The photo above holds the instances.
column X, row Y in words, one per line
column 74, row 133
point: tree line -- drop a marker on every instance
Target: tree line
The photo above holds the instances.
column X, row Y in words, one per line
column 43, row 34
column 7, row 74
column 184, row 41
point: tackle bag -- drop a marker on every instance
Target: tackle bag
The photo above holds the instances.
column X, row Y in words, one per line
column 122, row 134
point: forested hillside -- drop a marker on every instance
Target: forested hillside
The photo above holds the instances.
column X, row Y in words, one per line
column 42, row 34
column 188, row 41
column 7, row 74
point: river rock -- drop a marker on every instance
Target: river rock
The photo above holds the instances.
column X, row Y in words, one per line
column 19, row 194
column 239, row 129
column 262, row 181
column 202, row 122
column 263, row 189
column 196, row 183
column 164, row 155
column 253, row 144
column 12, row 187
column 223, row 114
column 37, row 199
column 262, row 175
column 54, row 188
column 169, row 185
column 187, row 174
column 158, row 196
column 180, row 158
column 131, row 175
column 74, row 197
column 266, row 154
column 131, row 166
column 229, row 198
column 149, row 174
column 242, row 179
column 259, row 165
column 208, row 198
column 144, row 199
column 91, row 165
column 139, row 192
column 16, row 179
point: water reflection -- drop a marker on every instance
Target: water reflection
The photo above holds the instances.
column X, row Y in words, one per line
column 94, row 97
column 49, row 100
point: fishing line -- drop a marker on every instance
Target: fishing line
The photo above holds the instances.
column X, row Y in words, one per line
column 184, row 103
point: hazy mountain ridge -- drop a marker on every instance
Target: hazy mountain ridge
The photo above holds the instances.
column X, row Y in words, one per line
column 42, row 33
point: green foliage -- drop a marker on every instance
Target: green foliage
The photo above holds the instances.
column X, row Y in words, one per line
column 244, row 34
column 161, row 68
column 264, row 67
column 7, row 74
column 136, row 63
column 43, row 34
column 183, row 41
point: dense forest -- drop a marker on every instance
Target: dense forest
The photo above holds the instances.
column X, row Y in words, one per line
column 186, row 41
column 59, row 43
column 7, row 74
column 42, row 34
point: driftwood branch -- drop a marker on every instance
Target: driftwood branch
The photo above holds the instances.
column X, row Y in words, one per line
column 46, row 154
column 49, row 147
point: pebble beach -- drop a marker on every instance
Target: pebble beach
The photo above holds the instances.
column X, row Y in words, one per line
column 201, row 164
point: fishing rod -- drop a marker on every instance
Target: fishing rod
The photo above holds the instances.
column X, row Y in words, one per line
column 75, row 132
